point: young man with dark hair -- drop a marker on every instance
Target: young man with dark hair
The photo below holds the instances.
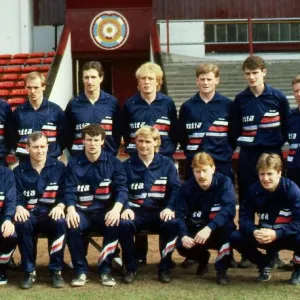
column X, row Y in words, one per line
column 260, row 118
column 276, row 201
column 205, row 212
column 153, row 183
column 259, row 125
column 95, row 193
column 293, row 159
column 93, row 106
column 40, row 208
column 38, row 114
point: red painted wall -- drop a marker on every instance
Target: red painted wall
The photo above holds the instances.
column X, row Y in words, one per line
column 139, row 21
column 123, row 61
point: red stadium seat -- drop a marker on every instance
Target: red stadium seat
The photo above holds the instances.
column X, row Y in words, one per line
column 22, row 76
column 33, row 61
column 48, row 60
column 21, row 55
column 9, row 77
column 4, row 92
column 45, row 68
column 16, row 100
column 3, row 62
column 51, row 54
column 30, row 69
column 7, row 84
column 18, row 61
column 12, row 70
column 18, row 92
column 11, row 158
column 5, row 56
column 37, row 54
column 20, row 83
column 1, row 70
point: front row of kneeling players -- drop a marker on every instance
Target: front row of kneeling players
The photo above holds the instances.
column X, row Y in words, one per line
column 99, row 193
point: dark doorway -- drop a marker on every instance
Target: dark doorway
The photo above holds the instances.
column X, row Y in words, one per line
column 106, row 84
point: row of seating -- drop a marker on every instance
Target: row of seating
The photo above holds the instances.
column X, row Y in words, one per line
column 9, row 70
column 12, row 85
column 27, row 61
column 28, row 55
column 16, row 68
column 13, row 92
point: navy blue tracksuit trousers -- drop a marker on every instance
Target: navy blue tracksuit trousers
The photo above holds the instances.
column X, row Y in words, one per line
column 248, row 247
column 92, row 222
column 40, row 222
column 7, row 248
column 219, row 240
column 168, row 232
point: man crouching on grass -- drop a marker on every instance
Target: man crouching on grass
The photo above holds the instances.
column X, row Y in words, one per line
column 276, row 200
column 205, row 212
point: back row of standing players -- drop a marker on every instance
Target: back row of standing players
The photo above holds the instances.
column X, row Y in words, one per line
column 257, row 120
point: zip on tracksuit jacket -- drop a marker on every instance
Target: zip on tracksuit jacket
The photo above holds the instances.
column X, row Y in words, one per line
column 154, row 187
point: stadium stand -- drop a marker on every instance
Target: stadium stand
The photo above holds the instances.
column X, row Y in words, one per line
column 14, row 69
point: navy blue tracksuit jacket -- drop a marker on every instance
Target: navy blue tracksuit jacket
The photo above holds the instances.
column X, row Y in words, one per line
column 154, row 187
column 48, row 118
column 151, row 190
column 278, row 210
column 5, row 128
column 205, row 127
column 161, row 113
column 80, row 112
column 259, row 125
column 215, row 208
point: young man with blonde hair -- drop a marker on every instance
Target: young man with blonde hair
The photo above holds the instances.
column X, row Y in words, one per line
column 276, row 201
column 204, row 122
column 205, row 212
column 38, row 114
column 150, row 107
column 153, row 183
